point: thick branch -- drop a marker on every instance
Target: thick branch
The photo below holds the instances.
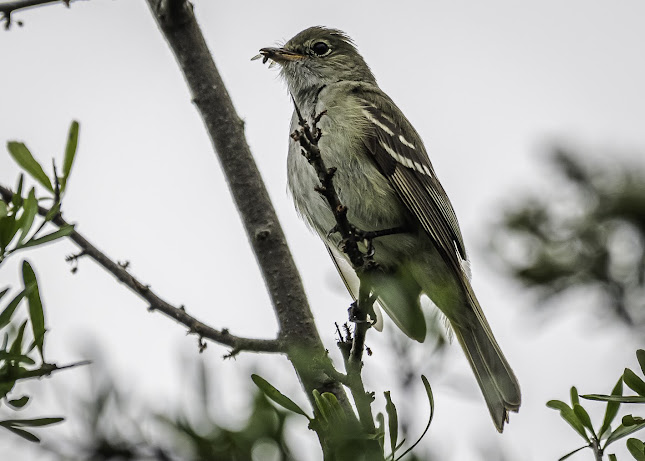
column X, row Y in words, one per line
column 226, row 131
column 155, row 302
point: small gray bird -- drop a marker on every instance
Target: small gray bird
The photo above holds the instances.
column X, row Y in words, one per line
column 385, row 179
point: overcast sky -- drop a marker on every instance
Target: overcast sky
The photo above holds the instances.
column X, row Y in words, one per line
column 488, row 85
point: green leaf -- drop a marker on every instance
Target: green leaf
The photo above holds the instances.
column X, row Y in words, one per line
column 623, row 431
column 22, row 433
column 70, row 153
column 3, row 292
column 60, row 233
column 6, row 386
column 569, row 416
column 53, row 211
column 23, row 157
column 615, row 398
column 640, row 355
column 7, row 313
column 36, row 313
column 393, row 422
column 574, row 396
column 629, row 420
column 3, row 209
column 612, row 457
column 634, row 382
column 428, row 389
column 571, row 453
column 277, row 396
column 583, row 417
column 16, row 200
column 8, row 228
column 636, row 448
column 36, row 422
column 16, row 346
column 612, row 408
column 19, row 403
column 19, row 358
column 30, row 210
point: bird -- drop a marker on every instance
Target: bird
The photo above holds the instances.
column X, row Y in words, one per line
column 385, row 179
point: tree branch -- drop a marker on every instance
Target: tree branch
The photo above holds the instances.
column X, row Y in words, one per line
column 226, row 130
column 351, row 346
column 47, row 369
column 7, row 8
column 155, row 303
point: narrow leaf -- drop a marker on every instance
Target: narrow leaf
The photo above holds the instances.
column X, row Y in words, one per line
column 566, row 412
column 393, row 421
column 23, row 157
column 7, row 313
column 22, row 433
column 574, row 396
column 16, row 200
column 3, row 209
column 3, row 292
column 60, row 233
column 16, row 346
column 30, row 210
column 634, row 382
column 321, row 407
column 428, row 389
column 612, row 408
column 70, row 153
column 623, row 431
column 583, row 417
column 19, row 403
column 36, row 313
column 277, row 396
column 615, row 398
column 640, row 355
column 571, row 453
column 36, row 422
column 612, row 457
column 636, row 448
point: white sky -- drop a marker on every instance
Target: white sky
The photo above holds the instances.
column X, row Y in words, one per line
column 487, row 85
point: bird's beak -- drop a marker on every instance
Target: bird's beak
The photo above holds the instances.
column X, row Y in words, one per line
column 279, row 55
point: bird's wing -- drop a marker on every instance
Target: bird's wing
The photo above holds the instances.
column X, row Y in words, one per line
column 398, row 150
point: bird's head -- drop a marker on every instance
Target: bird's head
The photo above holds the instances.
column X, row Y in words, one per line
column 318, row 56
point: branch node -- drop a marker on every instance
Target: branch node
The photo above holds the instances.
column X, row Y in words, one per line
column 201, row 344
column 124, row 264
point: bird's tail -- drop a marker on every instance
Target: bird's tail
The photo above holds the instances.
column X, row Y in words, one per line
column 494, row 375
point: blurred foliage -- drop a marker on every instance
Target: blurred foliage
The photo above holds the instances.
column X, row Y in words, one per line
column 599, row 439
column 110, row 427
column 587, row 232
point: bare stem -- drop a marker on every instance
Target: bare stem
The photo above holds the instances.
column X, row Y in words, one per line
column 155, row 303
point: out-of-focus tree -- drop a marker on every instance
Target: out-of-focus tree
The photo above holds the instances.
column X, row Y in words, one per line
column 587, row 232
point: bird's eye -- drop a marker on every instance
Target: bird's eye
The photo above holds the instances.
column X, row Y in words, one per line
column 320, row 48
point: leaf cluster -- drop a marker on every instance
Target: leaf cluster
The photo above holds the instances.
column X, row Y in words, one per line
column 598, row 440
column 344, row 437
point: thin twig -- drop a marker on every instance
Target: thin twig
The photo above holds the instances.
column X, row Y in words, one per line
column 7, row 8
column 155, row 303
column 47, row 369
column 352, row 346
